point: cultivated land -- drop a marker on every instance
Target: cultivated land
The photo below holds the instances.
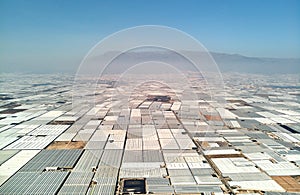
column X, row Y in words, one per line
column 122, row 137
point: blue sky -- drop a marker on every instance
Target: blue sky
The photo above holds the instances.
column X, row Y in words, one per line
column 58, row 33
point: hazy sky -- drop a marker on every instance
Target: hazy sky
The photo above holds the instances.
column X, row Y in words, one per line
column 56, row 34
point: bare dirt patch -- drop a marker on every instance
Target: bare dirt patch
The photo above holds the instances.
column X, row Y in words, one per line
column 56, row 145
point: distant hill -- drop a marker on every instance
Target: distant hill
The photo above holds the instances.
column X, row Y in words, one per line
column 225, row 62
column 240, row 63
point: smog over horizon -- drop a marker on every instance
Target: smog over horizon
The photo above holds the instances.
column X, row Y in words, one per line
column 41, row 37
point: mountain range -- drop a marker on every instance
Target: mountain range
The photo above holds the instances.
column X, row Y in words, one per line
column 257, row 65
